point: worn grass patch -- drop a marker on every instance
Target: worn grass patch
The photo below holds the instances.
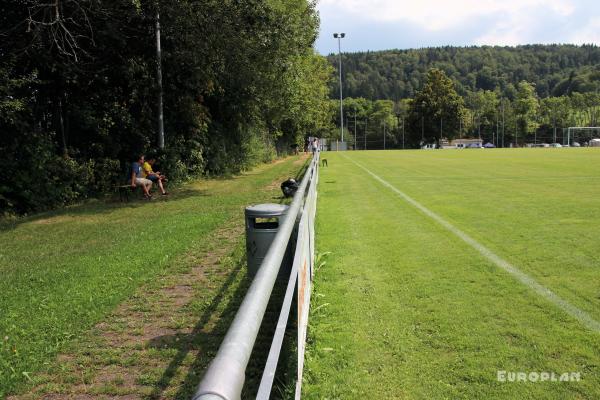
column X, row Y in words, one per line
column 405, row 309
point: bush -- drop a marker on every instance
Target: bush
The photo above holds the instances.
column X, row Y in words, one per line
column 106, row 173
column 258, row 148
column 36, row 178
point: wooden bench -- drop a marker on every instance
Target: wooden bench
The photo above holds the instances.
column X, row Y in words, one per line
column 124, row 191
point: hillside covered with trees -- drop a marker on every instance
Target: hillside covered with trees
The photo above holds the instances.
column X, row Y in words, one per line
column 555, row 70
column 80, row 91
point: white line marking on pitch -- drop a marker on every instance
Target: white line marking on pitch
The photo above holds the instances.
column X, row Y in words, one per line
column 543, row 291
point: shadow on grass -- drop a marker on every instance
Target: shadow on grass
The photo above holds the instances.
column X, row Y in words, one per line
column 104, row 206
column 303, row 169
column 207, row 342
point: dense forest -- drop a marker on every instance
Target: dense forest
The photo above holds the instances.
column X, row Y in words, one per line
column 82, row 83
column 555, row 70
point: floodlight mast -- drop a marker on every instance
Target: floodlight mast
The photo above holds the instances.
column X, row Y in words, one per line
column 339, row 37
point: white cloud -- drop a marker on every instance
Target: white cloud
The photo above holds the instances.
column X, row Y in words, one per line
column 510, row 31
column 382, row 24
column 589, row 33
column 435, row 15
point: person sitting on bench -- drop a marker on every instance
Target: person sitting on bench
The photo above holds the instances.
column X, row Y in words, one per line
column 154, row 176
column 137, row 177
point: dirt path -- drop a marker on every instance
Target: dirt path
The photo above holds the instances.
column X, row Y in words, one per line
column 149, row 347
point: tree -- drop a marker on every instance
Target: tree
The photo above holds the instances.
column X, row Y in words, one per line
column 436, row 110
column 483, row 105
column 526, row 107
column 383, row 122
column 358, row 111
column 554, row 112
column 401, row 109
column 78, row 90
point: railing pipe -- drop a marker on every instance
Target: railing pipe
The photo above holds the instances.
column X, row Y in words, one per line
column 225, row 375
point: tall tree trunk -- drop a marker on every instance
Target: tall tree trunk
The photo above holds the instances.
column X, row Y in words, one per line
column 161, row 129
column 61, row 122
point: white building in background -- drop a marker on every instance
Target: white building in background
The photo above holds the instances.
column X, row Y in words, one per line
column 461, row 143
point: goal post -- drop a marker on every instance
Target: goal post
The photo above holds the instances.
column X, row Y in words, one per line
column 581, row 135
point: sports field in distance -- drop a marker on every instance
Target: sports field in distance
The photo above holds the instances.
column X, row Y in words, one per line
column 449, row 267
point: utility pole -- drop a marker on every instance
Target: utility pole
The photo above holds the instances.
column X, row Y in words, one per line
column 161, row 128
column 503, row 122
column 355, row 132
column 366, row 120
column 497, row 128
column 402, row 133
column 339, row 37
column 398, row 120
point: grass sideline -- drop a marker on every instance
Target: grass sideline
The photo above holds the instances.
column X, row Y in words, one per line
column 405, row 309
column 63, row 272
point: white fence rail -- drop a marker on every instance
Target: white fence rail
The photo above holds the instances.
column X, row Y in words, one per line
column 224, row 378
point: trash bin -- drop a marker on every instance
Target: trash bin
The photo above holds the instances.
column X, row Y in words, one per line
column 262, row 224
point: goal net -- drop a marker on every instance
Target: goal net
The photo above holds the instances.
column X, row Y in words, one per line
column 581, row 136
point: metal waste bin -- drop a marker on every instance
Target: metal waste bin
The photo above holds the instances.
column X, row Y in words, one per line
column 262, row 224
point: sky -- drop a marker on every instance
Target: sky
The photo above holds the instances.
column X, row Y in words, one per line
column 403, row 24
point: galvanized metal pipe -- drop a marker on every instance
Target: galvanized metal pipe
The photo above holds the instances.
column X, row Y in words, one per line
column 225, row 375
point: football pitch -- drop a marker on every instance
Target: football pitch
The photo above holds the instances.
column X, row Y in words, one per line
column 457, row 274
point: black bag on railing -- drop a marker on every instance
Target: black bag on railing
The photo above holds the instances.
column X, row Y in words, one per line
column 289, row 187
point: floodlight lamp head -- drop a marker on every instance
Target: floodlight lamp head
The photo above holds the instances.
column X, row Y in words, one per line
column 342, row 35
column 335, row 35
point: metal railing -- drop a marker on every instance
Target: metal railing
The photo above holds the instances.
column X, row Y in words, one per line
column 224, row 378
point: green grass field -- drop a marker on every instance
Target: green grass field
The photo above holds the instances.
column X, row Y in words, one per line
column 65, row 271
column 405, row 308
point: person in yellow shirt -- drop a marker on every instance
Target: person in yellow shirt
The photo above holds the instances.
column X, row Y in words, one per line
column 154, row 176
